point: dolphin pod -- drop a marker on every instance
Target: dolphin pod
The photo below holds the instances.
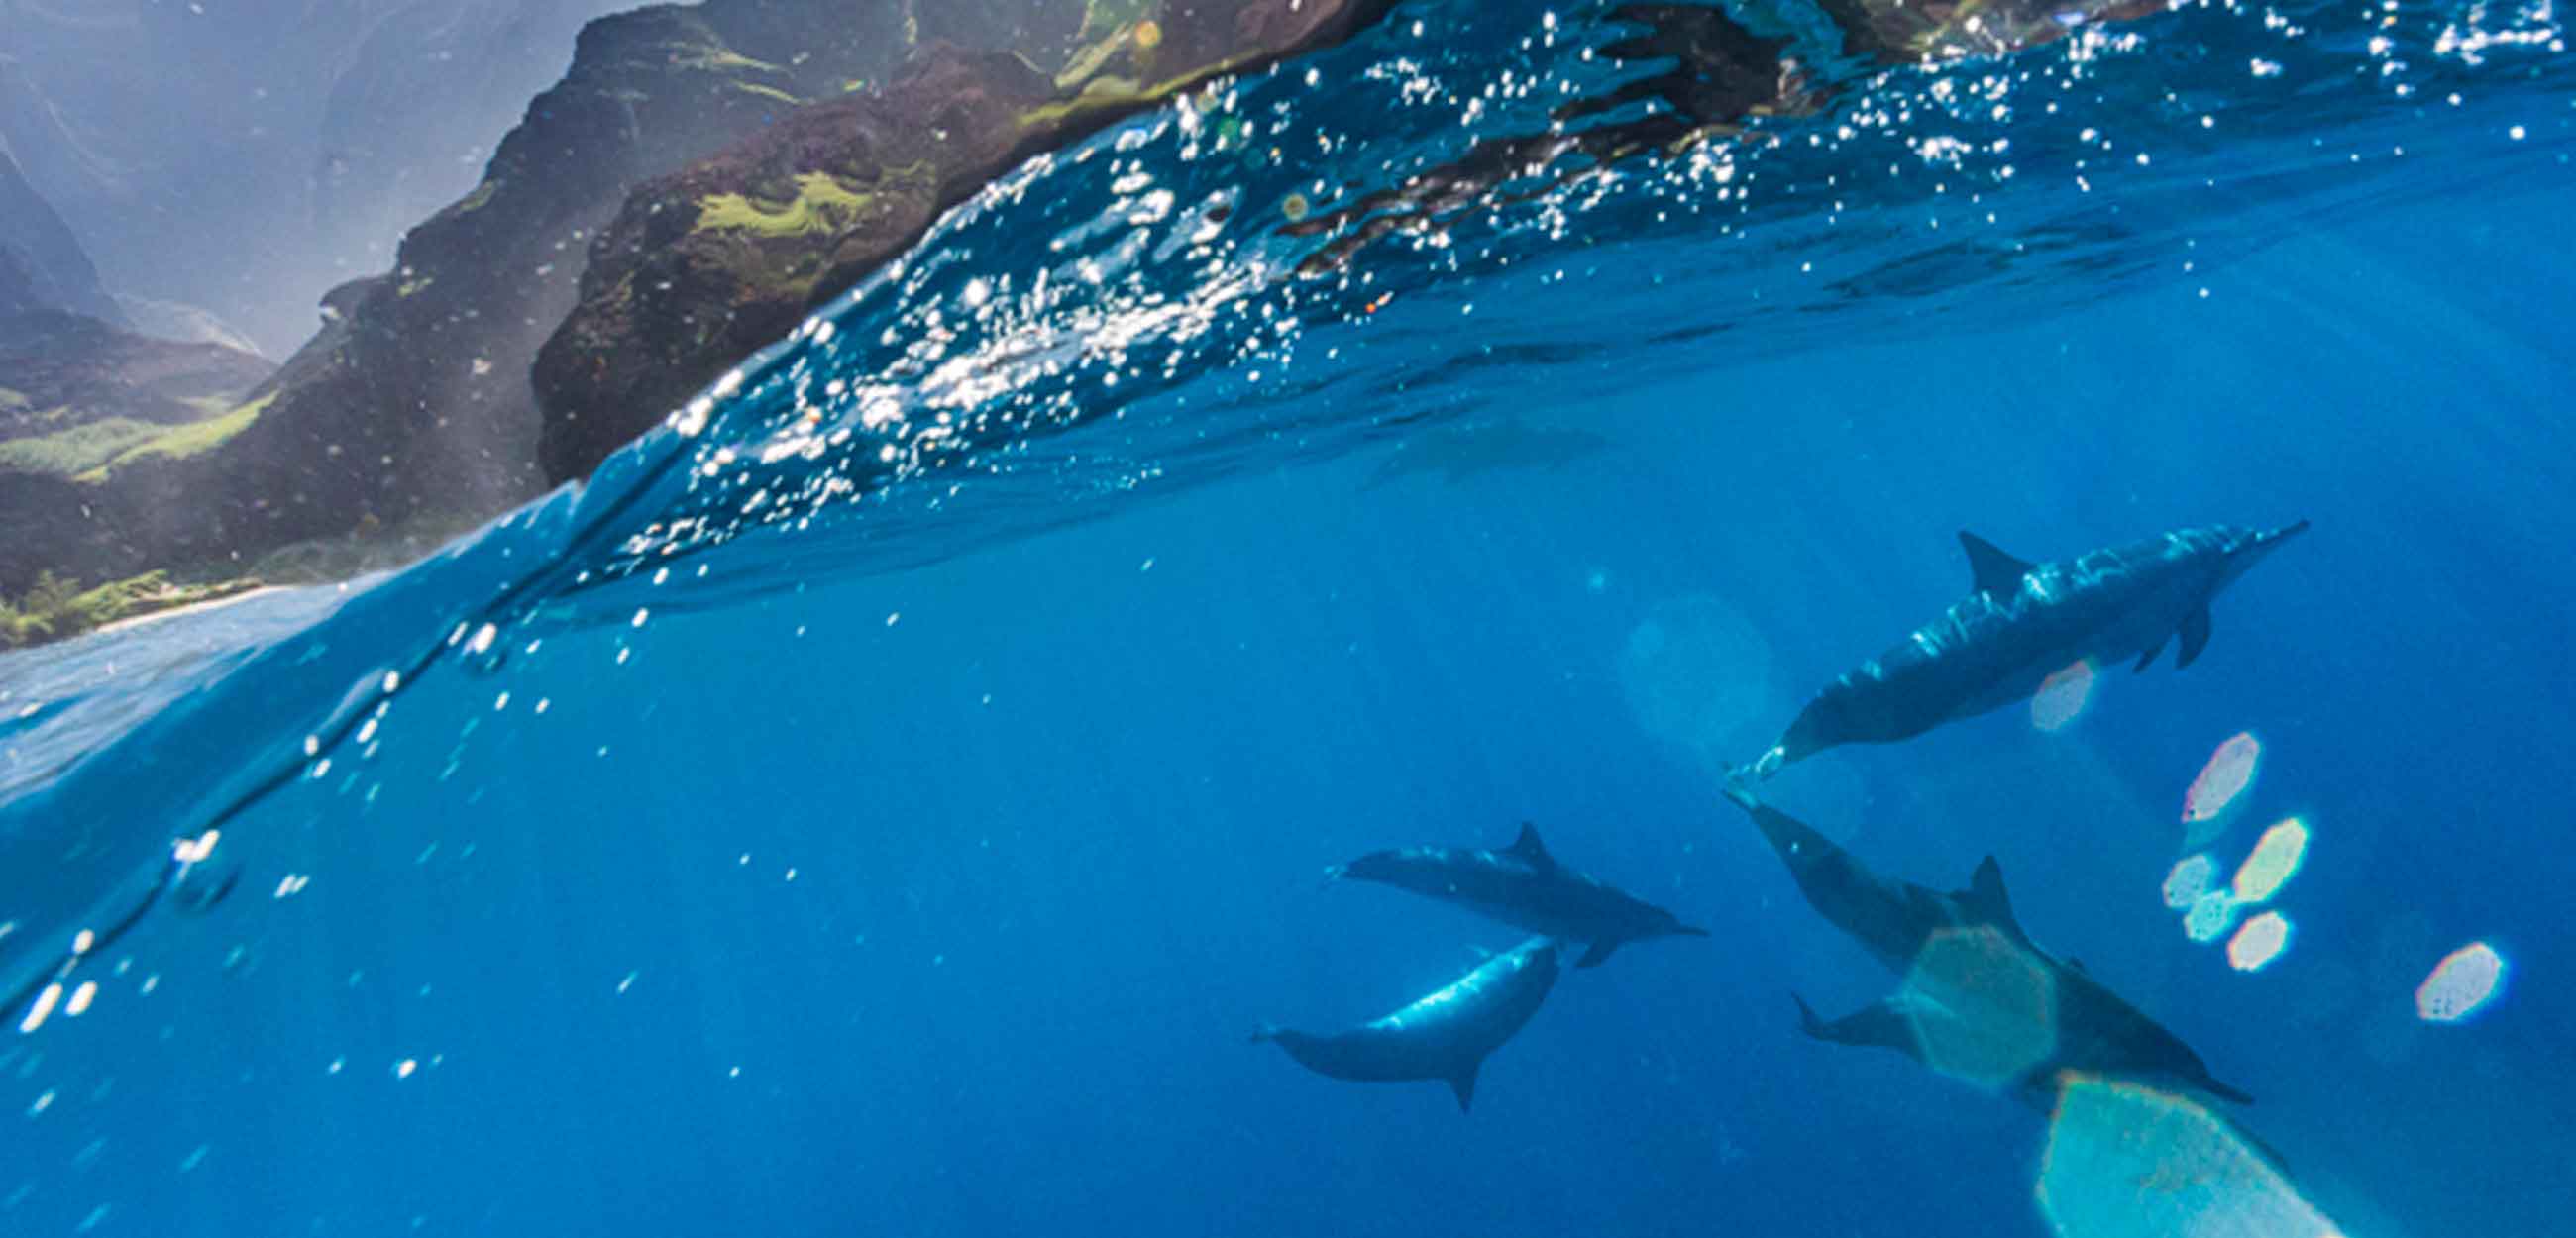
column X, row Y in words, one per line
column 2022, row 622
column 1447, row 1034
column 1977, row 999
column 1524, row 887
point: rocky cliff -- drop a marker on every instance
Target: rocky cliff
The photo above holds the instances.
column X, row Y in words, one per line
column 709, row 263
column 703, row 177
column 305, row 134
column 42, row 266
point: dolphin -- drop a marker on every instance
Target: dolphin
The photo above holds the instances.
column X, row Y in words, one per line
column 1463, row 453
column 1443, row 1036
column 1979, row 1000
column 2024, row 622
column 1524, row 887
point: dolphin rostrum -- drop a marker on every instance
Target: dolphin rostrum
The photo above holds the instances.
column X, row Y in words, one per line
column 1524, row 887
column 1979, row 1000
column 1442, row 1036
column 2024, row 622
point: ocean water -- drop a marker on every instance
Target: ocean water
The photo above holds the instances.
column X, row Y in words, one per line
column 885, row 801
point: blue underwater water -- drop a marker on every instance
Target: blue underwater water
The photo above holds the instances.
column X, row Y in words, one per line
column 886, row 801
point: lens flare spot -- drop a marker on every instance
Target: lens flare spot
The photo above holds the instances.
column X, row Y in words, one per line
column 2461, row 985
column 2274, row 860
column 2189, row 880
column 2258, row 943
column 2062, row 697
column 1295, row 206
column 1149, row 33
column 2211, row 915
column 1699, row 676
column 1980, row 1006
column 2228, row 774
column 2127, row 1161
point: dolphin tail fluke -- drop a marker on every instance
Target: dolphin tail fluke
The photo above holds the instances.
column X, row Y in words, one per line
column 1807, row 1021
column 1464, row 1084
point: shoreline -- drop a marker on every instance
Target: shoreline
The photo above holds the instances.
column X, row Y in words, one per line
column 185, row 608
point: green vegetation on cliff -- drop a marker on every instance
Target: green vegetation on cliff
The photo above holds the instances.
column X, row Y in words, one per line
column 55, row 608
column 822, row 204
column 86, row 452
column 181, row 442
column 80, row 449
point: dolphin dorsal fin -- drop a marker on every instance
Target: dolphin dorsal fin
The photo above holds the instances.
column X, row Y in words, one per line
column 1990, row 568
column 1987, row 898
column 1529, row 848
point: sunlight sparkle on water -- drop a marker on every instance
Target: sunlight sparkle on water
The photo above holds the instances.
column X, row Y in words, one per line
column 2461, row 984
column 2274, row 860
column 43, row 1009
column 2258, row 943
column 2062, row 697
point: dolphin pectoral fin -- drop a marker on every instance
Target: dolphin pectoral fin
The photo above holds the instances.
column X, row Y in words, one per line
column 2195, row 636
column 2223, row 1092
column 1600, row 951
column 1878, row 1025
column 1529, row 848
column 2147, row 659
column 1464, row 1084
column 1990, row 568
